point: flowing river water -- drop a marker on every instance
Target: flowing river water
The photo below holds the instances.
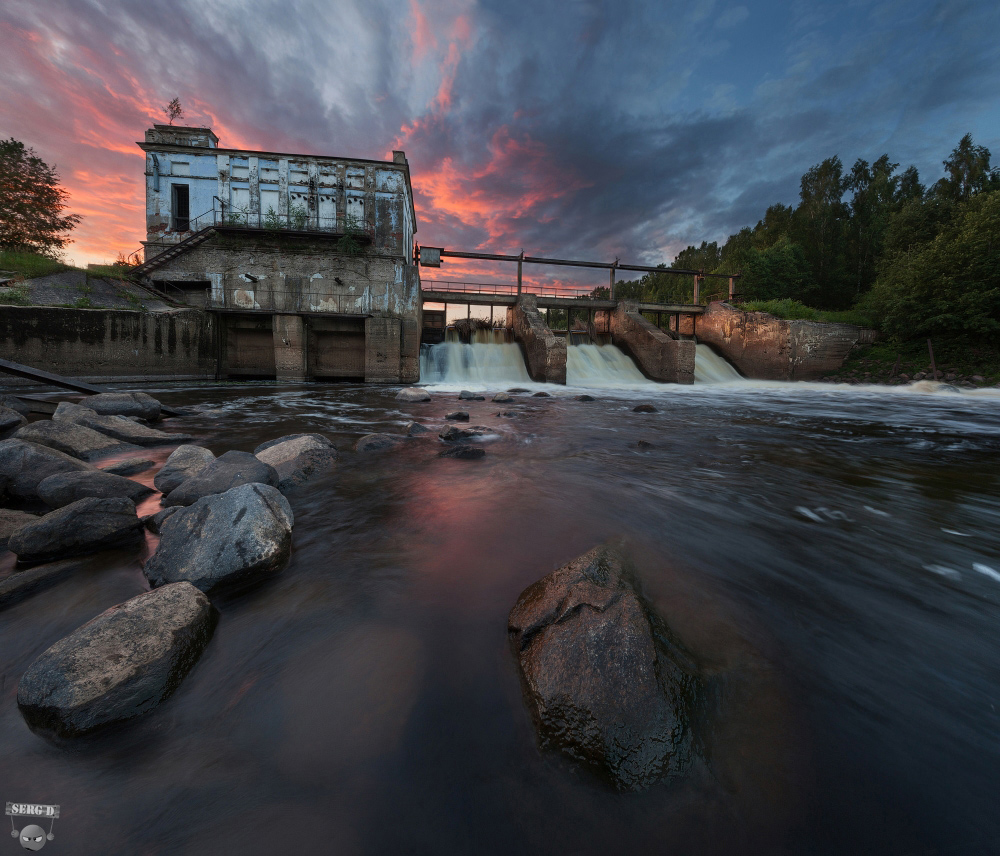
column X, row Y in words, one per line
column 829, row 555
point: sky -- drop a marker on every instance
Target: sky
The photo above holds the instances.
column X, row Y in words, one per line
column 574, row 129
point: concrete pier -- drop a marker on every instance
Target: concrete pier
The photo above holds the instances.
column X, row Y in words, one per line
column 544, row 351
column 289, row 347
column 661, row 355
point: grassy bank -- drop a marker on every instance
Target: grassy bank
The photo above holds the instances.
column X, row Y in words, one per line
column 30, row 265
column 958, row 362
column 792, row 310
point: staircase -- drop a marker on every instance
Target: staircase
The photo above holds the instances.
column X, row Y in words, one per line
column 174, row 251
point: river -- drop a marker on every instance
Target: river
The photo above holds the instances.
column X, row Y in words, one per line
column 830, row 555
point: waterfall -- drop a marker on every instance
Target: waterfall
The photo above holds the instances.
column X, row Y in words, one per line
column 709, row 367
column 489, row 361
column 601, row 365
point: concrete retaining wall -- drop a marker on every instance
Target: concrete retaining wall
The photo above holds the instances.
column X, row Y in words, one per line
column 660, row 356
column 545, row 352
column 767, row 348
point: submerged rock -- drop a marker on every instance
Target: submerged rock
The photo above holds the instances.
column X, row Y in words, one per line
column 453, row 433
column 124, row 404
column 465, row 395
column 64, row 488
column 10, row 421
column 184, row 462
column 25, row 583
column 224, row 473
column 503, row 397
column 119, row 427
column 226, row 538
column 154, row 522
column 457, row 416
column 377, row 442
column 644, row 408
column 82, row 527
column 119, row 665
column 463, row 452
column 24, row 465
column 414, row 428
column 298, row 457
column 583, row 397
column 413, row 393
column 645, row 444
column 129, row 467
column 11, row 521
column 603, row 686
column 517, row 389
column 541, row 395
column 72, row 439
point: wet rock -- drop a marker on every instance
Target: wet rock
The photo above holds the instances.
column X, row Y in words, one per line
column 64, row 488
column 415, row 428
column 645, row 444
column 457, row 416
column 413, row 393
column 377, row 442
column 919, row 376
column 14, row 403
column 645, row 408
column 904, row 376
column 76, row 440
column 223, row 539
column 183, row 463
column 124, row 404
column 224, row 473
column 129, row 467
column 978, row 379
column 23, row 465
column 463, row 452
column 517, row 389
column 503, row 397
column 10, row 421
column 604, row 684
column 541, row 395
column 298, row 457
column 510, row 414
column 465, row 395
column 119, row 427
column 82, row 527
column 11, row 521
column 119, row 665
column 583, row 397
column 24, row 583
column 154, row 522
column 454, row 434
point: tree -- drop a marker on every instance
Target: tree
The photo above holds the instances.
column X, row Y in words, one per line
column 968, row 172
column 173, row 110
column 31, row 202
column 819, row 223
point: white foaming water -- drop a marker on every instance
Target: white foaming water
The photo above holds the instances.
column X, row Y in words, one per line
column 489, row 361
column 709, row 367
column 601, row 365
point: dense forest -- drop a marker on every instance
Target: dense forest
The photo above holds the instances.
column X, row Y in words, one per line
column 871, row 244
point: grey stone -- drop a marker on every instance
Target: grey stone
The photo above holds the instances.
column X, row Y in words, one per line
column 154, row 522
column 119, row 665
column 184, row 462
column 541, row 395
column 645, row 444
column 64, row 488
column 23, row 465
column 24, row 583
column 11, row 521
column 415, row 428
column 76, row 440
column 119, row 427
column 463, row 452
column 413, row 393
column 10, row 421
column 457, row 416
column 644, row 408
column 298, row 457
column 226, row 538
column 604, row 684
column 224, row 473
column 129, row 466
column 82, row 527
column 124, row 404
column 503, row 397
column 14, row 403
column 517, row 389
column 583, row 397
column 453, row 433
column 377, row 442
column 465, row 395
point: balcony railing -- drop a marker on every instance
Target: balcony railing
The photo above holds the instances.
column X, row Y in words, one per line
column 506, row 288
column 297, row 220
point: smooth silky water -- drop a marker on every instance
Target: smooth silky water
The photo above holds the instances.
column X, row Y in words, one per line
column 830, row 555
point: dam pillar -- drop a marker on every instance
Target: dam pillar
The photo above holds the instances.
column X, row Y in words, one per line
column 382, row 349
column 545, row 352
column 288, row 332
column 660, row 355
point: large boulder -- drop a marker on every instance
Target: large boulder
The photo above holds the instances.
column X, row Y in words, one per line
column 119, row 665
column 226, row 538
column 76, row 440
column 81, row 527
column 184, row 462
column 124, row 404
column 224, row 473
column 64, row 488
column 14, row 403
column 298, row 457
column 11, row 521
column 24, row 465
column 413, row 393
column 10, row 421
column 129, row 466
column 119, row 427
column 377, row 442
column 604, row 686
column 454, row 434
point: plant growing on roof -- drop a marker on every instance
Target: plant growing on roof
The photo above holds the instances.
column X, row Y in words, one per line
column 173, row 110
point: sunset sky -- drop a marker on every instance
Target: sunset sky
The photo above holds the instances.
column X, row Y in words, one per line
column 580, row 129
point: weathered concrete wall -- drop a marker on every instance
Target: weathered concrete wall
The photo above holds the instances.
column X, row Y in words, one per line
column 289, row 342
column 545, row 352
column 767, row 348
column 103, row 344
column 659, row 355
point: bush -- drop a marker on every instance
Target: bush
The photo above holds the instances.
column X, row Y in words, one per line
column 793, row 310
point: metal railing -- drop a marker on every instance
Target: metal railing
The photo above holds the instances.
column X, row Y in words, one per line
column 505, row 288
column 297, row 220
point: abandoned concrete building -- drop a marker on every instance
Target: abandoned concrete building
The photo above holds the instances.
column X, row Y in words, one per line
column 305, row 262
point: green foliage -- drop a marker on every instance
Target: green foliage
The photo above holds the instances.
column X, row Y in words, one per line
column 31, row 203
column 779, row 271
column 15, row 295
column 298, row 217
column 30, row 264
column 793, row 310
column 349, row 244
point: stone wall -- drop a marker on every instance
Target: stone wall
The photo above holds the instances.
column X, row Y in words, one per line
column 105, row 344
column 545, row 352
column 660, row 356
column 767, row 348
